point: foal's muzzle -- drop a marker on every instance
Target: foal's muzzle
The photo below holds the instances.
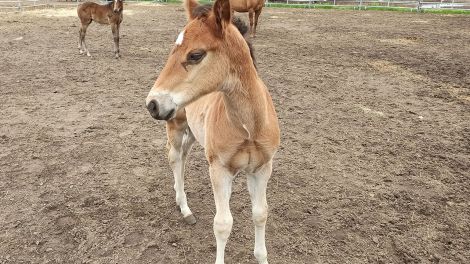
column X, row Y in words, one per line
column 159, row 112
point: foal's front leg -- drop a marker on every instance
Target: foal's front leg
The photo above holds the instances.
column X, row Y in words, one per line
column 180, row 140
column 257, row 184
column 115, row 30
column 221, row 180
column 82, row 33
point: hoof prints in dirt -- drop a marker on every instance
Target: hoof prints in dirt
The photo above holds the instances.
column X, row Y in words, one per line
column 372, row 169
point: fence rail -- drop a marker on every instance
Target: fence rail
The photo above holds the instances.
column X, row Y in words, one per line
column 364, row 4
column 20, row 5
column 359, row 4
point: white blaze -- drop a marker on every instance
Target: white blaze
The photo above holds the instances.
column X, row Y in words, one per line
column 180, row 38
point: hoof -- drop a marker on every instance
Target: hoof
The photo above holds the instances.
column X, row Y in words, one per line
column 190, row 219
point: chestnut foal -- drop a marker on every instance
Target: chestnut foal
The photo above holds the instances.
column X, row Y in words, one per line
column 209, row 91
column 109, row 14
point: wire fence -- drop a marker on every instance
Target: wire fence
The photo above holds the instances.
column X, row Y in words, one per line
column 418, row 5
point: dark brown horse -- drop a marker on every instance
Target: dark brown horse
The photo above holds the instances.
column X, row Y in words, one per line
column 108, row 14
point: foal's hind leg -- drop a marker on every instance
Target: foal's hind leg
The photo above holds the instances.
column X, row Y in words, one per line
column 257, row 184
column 180, row 140
column 257, row 13
column 250, row 15
column 83, row 28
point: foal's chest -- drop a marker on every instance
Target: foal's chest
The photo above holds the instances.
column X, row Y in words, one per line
column 248, row 157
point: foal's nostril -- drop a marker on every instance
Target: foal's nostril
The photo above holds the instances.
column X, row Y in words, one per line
column 170, row 114
column 153, row 108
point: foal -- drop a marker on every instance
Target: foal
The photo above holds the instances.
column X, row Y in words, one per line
column 109, row 14
column 209, row 91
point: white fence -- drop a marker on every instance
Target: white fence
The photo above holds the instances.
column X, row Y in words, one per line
column 22, row 4
column 19, row 5
column 359, row 4
column 364, row 4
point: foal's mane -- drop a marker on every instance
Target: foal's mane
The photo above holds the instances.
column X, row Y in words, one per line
column 202, row 11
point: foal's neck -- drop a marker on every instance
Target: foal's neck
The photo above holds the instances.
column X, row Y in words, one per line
column 246, row 101
column 245, row 96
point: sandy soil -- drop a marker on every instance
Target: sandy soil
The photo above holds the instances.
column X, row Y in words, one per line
column 373, row 168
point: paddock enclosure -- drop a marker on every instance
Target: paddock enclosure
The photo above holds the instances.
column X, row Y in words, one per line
column 374, row 109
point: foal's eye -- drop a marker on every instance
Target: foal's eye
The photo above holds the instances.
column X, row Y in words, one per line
column 194, row 57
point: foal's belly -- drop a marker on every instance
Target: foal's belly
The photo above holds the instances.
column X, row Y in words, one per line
column 100, row 19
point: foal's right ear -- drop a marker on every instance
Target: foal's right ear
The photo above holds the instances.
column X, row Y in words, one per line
column 222, row 13
column 190, row 5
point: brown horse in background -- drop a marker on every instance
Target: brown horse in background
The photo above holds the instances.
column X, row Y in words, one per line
column 108, row 14
column 253, row 7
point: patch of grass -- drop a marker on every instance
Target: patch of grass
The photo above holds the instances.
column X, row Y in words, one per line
column 181, row 1
column 446, row 11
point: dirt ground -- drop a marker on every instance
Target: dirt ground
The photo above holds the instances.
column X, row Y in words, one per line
column 374, row 164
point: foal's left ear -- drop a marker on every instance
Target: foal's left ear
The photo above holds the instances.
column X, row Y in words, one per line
column 222, row 15
column 190, row 5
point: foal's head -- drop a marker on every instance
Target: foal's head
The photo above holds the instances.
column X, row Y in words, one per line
column 117, row 6
column 209, row 53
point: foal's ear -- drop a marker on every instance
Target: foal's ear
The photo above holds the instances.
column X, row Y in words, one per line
column 222, row 15
column 190, row 5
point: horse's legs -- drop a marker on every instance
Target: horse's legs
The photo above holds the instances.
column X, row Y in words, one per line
column 250, row 15
column 221, row 180
column 257, row 13
column 257, row 184
column 180, row 140
column 115, row 29
column 80, row 39
column 83, row 28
